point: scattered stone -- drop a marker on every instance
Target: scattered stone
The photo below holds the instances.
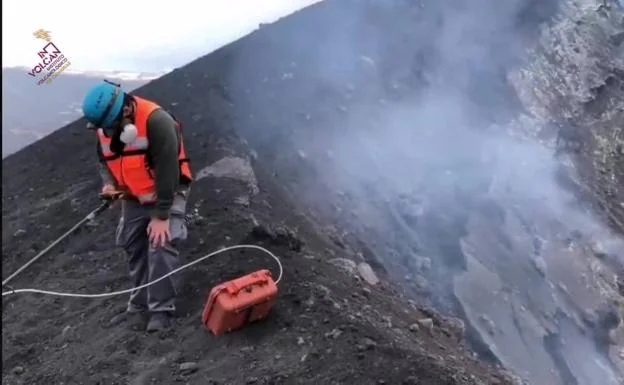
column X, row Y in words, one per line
column 420, row 282
column 263, row 232
column 92, row 223
column 344, row 263
column 18, row 370
column 233, row 168
column 613, row 337
column 540, row 265
column 368, row 344
column 423, row 264
column 188, row 367
column 242, row 200
column 426, row 323
column 65, row 332
column 488, row 323
column 414, row 327
column 367, row 273
column 513, row 378
column 19, row 233
column 300, row 341
column 115, row 320
column 457, row 326
column 173, row 357
column 598, row 249
column 333, row 334
column 337, row 241
column 280, row 236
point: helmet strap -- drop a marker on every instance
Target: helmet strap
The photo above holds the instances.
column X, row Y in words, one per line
column 116, row 145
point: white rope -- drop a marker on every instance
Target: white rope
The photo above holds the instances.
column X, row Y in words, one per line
column 115, row 293
column 89, row 217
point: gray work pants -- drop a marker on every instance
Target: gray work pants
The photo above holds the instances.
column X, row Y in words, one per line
column 147, row 263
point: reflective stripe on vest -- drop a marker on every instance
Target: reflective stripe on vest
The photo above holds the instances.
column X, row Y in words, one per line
column 130, row 168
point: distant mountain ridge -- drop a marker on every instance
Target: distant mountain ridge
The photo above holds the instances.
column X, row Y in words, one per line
column 30, row 112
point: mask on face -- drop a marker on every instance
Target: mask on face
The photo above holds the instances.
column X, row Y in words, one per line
column 127, row 134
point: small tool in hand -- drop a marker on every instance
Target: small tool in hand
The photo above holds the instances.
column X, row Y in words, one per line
column 111, row 196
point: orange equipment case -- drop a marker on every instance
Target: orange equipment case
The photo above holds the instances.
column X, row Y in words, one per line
column 240, row 301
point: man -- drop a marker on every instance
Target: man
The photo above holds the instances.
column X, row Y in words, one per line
column 143, row 160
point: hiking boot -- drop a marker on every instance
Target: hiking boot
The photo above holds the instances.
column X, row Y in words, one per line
column 159, row 321
column 134, row 309
column 136, row 320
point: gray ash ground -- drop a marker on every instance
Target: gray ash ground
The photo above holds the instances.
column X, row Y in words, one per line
column 259, row 103
column 328, row 326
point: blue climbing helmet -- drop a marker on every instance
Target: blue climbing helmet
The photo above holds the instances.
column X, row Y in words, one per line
column 103, row 103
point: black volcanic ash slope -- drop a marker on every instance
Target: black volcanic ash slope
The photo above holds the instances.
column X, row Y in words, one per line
column 329, row 327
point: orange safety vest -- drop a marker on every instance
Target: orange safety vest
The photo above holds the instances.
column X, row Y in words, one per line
column 130, row 168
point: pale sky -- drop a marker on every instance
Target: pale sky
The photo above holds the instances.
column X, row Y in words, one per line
column 133, row 35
